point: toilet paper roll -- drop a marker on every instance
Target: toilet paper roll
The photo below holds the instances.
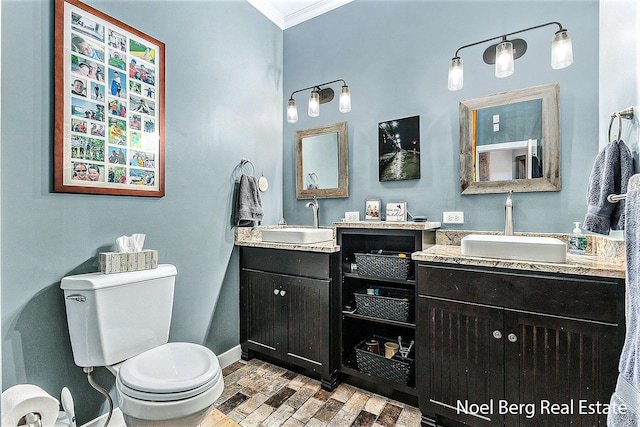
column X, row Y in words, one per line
column 22, row 399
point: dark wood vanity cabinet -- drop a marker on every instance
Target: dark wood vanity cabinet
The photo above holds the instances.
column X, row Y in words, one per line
column 286, row 308
column 509, row 348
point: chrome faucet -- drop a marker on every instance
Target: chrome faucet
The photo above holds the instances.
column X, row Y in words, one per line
column 314, row 205
column 508, row 215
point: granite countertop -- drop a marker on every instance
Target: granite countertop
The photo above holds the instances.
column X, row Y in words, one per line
column 389, row 225
column 605, row 257
column 252, row 236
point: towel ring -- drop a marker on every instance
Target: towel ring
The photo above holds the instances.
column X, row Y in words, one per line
column 243, row 163
column 613, row 116
column 627, row 113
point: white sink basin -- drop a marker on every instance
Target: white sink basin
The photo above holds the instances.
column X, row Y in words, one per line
column 525, row 248
column 299, row 235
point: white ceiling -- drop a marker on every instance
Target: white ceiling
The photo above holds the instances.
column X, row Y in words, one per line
column 287, row 13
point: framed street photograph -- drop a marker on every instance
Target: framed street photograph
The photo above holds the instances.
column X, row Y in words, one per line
column 399, row 149
column 372, row 209
column 396, row 212
column 109, row 105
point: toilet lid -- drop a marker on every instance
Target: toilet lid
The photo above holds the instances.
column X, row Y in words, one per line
column 171, row 371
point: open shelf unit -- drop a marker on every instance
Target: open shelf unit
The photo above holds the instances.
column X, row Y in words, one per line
column 356, row 327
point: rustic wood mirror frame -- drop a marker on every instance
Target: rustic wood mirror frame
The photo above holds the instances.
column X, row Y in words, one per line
column 550, row 180
column 343, row 162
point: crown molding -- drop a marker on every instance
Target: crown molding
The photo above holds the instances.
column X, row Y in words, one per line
column 268, row 10
column 312, row 11
column 287, row 21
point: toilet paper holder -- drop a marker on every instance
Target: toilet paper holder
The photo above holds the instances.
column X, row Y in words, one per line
column 30, row 405
column 33, row 420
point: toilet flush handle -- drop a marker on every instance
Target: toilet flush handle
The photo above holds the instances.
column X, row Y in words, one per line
column 77, row 297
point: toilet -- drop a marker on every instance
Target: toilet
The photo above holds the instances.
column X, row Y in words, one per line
column 121, row 321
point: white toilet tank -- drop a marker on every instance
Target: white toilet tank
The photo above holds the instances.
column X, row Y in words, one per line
column 113, row 317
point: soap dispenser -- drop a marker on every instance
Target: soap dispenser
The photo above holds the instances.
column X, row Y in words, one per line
column 577, row 241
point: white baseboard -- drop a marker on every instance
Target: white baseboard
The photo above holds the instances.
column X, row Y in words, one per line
column 230, row 356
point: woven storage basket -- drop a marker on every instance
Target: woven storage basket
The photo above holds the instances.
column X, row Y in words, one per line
column 383, row 265
column 390, row 303
column 396, row 369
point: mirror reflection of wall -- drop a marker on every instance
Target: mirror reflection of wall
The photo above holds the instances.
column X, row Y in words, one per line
column 320, row 161
column 508, row 160
column 509, row 141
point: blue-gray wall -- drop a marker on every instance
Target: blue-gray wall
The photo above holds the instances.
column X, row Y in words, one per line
column 223, row 103
column 394, row 56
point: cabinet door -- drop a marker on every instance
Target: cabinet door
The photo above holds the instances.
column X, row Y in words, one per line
column 460, row 360
column 559, row 361
column 307, row 321
column 263, row 311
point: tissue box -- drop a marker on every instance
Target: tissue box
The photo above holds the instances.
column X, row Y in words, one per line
column 121, row 262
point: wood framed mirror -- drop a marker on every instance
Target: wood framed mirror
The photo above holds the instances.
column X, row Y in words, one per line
column 322, row 162
column 511, row 141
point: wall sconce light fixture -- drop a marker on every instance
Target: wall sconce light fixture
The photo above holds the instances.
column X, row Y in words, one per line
column 503, row 54
column 319, row 96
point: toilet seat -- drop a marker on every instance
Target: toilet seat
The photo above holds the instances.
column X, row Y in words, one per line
column 169, row 413
column 170, row 372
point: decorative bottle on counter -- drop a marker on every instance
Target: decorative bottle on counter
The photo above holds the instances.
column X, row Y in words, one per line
column 577, row 241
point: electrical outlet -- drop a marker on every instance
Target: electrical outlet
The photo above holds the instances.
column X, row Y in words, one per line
column 453, row 217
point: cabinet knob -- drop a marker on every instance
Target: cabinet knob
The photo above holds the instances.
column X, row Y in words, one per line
column 497, row 334
column 512, row 337
column 276, row 291
column 282, row 292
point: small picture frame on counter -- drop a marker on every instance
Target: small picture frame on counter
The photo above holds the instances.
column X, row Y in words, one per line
column 372, row 209
column 396, row 212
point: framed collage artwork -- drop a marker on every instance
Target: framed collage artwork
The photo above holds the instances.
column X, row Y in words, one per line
column 109, row 105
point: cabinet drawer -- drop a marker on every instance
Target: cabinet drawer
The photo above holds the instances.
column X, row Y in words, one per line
column 293, row 263
column 588, row 298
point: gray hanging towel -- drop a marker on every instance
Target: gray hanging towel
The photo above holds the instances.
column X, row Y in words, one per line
column 248, row 203
column 610, row 173
column 627, row 391
column 626, row 172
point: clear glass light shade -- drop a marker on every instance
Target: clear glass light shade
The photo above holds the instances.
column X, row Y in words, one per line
column 561, row 50
column 292, row 111
column 504, row 59
column 456, row 74
column 314, row 104
column 345, row 99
